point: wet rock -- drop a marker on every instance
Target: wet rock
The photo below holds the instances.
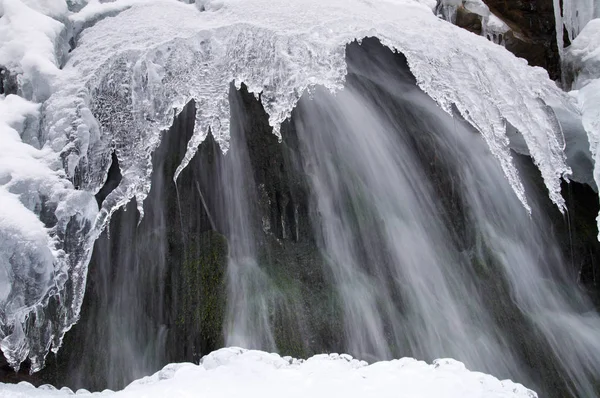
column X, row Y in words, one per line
column 8, row 82
column 533, row 33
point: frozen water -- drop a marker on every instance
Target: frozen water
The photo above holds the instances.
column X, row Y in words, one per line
column 576, row 15
column 230, row 372
column 44, row 222
column 280, row 58
column 583, row 57
column 492, row 27
column 137, row 63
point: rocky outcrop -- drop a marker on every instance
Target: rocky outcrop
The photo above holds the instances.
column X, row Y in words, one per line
column 532, row 33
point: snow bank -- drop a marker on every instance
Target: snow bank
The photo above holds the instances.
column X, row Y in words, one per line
column 231, row 372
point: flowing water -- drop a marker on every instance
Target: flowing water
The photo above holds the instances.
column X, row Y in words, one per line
column 399, row 236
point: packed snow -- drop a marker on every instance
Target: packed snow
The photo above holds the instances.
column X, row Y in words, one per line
column 231, row 372
column 135, row 64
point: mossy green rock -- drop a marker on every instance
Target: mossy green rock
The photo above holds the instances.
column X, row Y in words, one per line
column 202, row 293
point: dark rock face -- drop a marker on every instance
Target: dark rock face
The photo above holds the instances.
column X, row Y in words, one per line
column 576, row 230
column 533, row 30
column 533, row 34
column 8, row 82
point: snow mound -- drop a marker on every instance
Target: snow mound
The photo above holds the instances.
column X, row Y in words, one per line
column 230, row 372
column 136, row 64
column 32, row 44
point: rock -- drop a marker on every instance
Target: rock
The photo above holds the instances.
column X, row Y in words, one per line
column 533, row 32
column 8, row 82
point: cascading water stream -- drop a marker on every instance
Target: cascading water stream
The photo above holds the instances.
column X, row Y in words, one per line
column 380, row 226
column 411, row 282
column 250, row 291
column 406, row 289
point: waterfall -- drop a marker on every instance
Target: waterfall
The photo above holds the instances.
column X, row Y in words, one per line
column 379, row 226
column 428, row 249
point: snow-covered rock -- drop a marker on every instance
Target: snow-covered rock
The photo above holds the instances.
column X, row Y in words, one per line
column 33, row 44
column 234, row 372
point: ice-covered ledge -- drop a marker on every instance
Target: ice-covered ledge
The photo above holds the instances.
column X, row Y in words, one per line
column 235, row 372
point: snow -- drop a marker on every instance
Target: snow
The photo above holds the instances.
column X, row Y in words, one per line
column 231, row 372
column 33, row 264
column 583, row 57
column 31, row 44
column 137, row 63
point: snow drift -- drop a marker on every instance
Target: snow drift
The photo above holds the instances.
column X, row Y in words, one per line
column 231, row 371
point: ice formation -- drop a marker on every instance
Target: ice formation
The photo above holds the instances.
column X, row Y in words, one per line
column 135, row 64
column 492, row 27
column 577, row 13
column 231, row 371
column 572, row 16
column 583, row 58
column 44, row 224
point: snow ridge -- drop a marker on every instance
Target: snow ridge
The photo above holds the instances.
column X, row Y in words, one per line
column 229, row 371
column 137, row 63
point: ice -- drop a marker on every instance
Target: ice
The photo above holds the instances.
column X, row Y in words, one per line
column 280, row 54
column 574, row 17
column 135, row 65
column 231, row 372
column 492, row 27
column 583, row 58
column 577, row 13
column 38, row 210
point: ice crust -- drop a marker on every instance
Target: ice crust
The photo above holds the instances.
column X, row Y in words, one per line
column 577, row 14
column 137, row 63
column 231, row 372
